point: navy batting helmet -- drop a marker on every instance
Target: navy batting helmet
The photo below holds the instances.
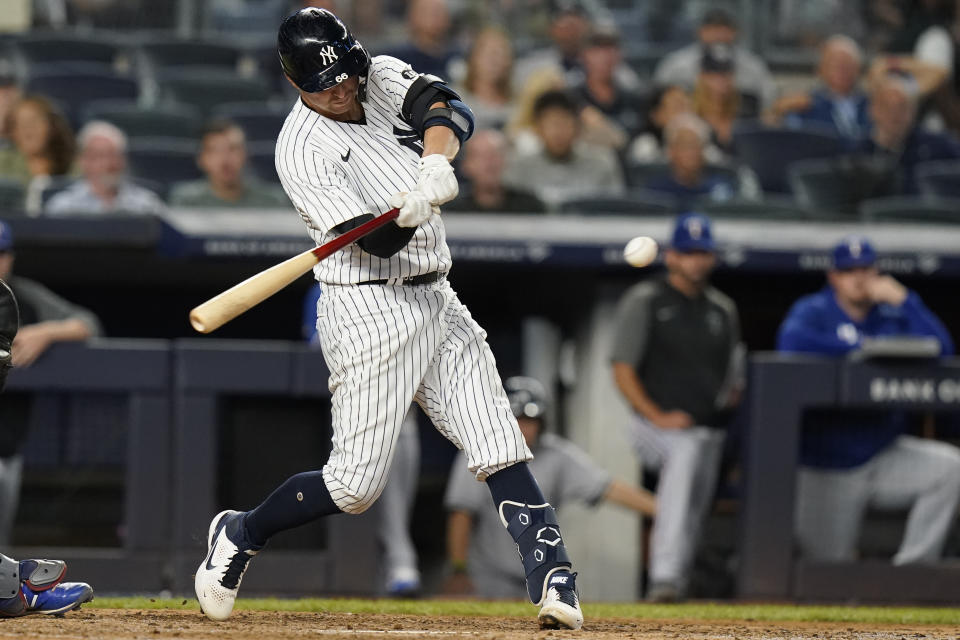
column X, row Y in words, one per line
column 528, row 398
column 317, row 50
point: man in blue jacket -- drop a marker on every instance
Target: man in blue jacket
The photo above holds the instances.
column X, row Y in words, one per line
column 850, row 462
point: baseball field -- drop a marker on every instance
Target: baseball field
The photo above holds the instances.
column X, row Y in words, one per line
column 135, row 618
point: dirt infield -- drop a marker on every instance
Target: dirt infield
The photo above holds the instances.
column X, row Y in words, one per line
column 115, row 624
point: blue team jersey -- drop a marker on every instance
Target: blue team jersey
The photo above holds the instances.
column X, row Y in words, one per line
column 817, row 324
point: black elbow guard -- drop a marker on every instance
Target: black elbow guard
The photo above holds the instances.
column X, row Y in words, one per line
column 384, row 242
column 427, row 90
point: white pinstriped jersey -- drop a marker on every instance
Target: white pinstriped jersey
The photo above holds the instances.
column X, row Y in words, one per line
column 335, row 171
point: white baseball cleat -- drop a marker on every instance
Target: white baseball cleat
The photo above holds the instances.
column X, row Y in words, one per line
column 218, row 576
column 561, row 606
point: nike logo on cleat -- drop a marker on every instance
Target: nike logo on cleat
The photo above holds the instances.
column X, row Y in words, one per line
column 213, row 548
column 559, row 580
column 346, row 156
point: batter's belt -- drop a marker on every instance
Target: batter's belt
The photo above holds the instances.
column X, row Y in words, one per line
column 425, row 278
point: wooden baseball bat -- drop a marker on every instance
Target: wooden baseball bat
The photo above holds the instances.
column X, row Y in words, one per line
column 219, row 310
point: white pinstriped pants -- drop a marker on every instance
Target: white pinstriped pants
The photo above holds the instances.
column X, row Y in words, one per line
column 389, row 345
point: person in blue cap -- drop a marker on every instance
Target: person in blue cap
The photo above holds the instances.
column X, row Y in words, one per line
column 677, row 360
column 852, row 461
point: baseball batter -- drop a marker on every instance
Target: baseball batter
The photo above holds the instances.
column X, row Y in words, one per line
column 367, row 135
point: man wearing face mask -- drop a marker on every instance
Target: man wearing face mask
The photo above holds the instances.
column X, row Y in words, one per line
column 850, row 462
column 676, row 359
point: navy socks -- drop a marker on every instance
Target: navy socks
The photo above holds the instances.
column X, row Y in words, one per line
column 301, row 499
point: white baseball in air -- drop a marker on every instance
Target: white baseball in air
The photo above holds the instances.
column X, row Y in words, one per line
column 640, row 251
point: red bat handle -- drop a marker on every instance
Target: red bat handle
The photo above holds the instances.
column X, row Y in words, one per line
column 355, row 234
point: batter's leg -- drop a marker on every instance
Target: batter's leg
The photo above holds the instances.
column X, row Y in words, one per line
column 377, row 341
column 463, row 394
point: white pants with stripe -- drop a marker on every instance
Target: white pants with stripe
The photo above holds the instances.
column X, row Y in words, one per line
column 688, row 461
column 387, row 346
column 922, row 475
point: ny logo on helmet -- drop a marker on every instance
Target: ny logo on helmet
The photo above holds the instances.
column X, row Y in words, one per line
column 328, row 55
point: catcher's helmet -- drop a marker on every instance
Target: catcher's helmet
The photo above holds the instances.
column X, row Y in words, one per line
column 317, row 50
column 528, row 398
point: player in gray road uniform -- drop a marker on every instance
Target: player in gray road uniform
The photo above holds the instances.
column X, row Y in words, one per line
column 476, row 543
column 367, row 135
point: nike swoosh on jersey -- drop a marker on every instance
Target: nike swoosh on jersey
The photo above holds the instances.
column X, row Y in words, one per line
column 346, row 156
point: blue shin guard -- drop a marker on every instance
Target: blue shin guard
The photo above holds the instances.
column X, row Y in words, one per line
column 535, row 530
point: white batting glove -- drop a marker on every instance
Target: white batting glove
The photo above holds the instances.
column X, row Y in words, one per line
column 415, row 208
column 437, row 180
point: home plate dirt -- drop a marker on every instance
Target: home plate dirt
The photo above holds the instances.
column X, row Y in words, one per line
column 121, row 624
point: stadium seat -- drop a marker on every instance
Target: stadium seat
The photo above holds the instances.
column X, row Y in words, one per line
column 75, row 88
column 179, row 121
column 163, row 160
column 44, row 48
column 910, row 209
column 163, row 54
column 635, row 202
column 260, row 157
column 12, row 195
column 206, row 89
column 838, row 185
column 769, row 152
column 939, row 178
column 771, row 208
column 260, row 123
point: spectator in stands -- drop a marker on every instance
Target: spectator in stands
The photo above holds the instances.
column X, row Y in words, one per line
column 569, row 30
column 45, row 319
column 677, row 360
column 895, row 136
column 477, row 547
column 852, row 461
column 923, row 34
column 838, row 103
column 10, row 93
column 563, row 166
column 650, row 146
column 43, row 147
column 683, row 67
column 484, row 160
column 223, row 158
column 487, row 85
column 716, row 98
column 521, row 126
column 689, row 178
column 613, row 114
column 428, row 49
column 103, row 187
column 568, row 33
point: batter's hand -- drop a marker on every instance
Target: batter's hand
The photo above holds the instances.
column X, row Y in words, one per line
column 437, row 180
column 415, row 208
